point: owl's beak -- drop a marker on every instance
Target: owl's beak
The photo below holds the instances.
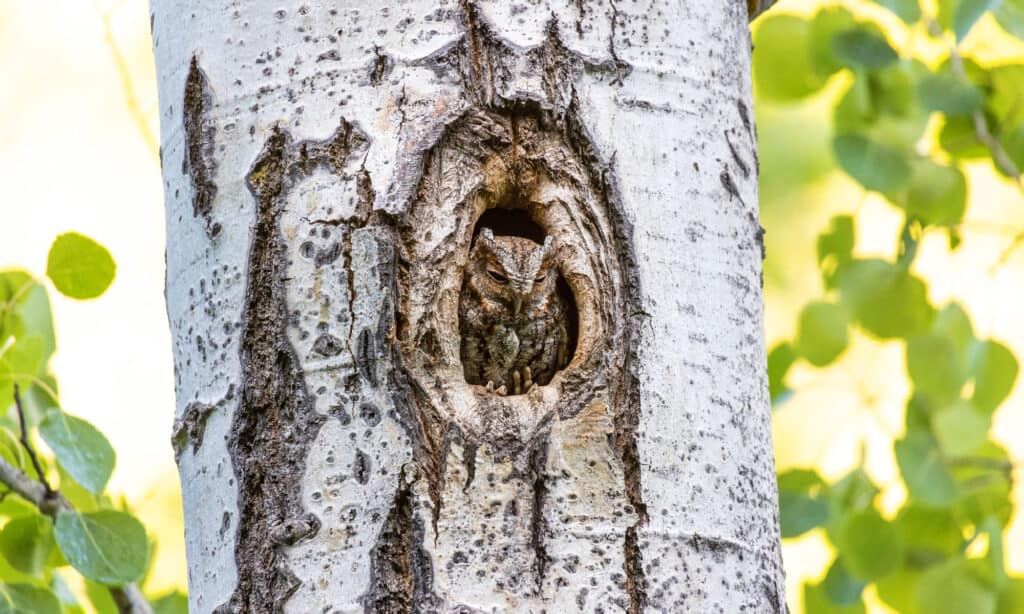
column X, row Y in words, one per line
column 521, row 289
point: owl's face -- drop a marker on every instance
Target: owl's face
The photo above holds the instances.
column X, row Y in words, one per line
column 513, row 270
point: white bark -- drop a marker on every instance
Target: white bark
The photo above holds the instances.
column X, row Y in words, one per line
column 325, row 164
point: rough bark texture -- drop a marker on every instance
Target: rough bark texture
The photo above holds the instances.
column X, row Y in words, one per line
column 337, row 162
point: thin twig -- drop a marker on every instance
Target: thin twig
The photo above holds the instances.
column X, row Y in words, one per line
column 980, row 462
column 131, row 100
column 1005, row 256
column 28, row 447
column 129, row 598
column 31, row 379
column 756, row 7
column 1001, row 159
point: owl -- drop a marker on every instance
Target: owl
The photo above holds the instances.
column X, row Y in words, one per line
column 512, row 314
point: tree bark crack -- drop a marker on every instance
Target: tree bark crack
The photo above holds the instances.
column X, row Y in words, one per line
column 200, row 133
column 276, row 420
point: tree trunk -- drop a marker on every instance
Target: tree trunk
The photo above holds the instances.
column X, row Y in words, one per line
column 327, row 166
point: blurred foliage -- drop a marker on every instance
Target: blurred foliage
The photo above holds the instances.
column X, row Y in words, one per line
column 100, row 538
column 903, row 121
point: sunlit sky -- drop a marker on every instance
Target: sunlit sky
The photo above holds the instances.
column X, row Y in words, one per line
column 77, row 134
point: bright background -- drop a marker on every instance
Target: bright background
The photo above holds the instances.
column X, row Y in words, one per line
column 78, row 152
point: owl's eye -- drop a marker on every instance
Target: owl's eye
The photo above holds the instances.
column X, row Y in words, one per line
column 496, row 276
column 540, row 278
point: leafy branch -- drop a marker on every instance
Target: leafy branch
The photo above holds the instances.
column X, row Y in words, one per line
column 1000, row 158
column 106, row 546
column 956, row 476
column 129, row 598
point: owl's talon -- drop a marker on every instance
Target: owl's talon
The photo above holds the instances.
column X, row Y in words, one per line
column 516, row 383
column 527, row 379
column 501, row 391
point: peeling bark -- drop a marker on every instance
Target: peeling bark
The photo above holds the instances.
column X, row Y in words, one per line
column 344, row 166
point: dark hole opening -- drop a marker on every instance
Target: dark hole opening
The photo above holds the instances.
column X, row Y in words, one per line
column 518, row 223
column 510, row 222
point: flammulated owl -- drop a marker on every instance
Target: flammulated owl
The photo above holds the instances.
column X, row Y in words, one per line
column 512, row 315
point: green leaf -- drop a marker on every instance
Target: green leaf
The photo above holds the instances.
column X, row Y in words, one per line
column 875, row 166
column 882, row 107
column 21, row 360
column 27, row 311
column 782, row 64
column 953, row 323
column 960, row 429
column 80, row 448
column 926, row 475
column 842, row 588
column 1011, row 597
column 1010, row 15
column 821, row 333
column 937, row 194
column 14, row 507
column 996, row 555
column 25, row 314
column 870, row 547
column 936, row 368
column 954, row 237
column 801, row 506
column 853, row 493
column 898, row 590
column 171, row 603
column 36, row 397
column 827, row 22
column 894, row 91
column 81, row 499
column 952, row 587
column 835, row 248
column 65, row 595
column 26, row 543
column 985, row 480
column 946, row 93
column 961, row 141
column 930, row 534
column 79, row 267
column 27, row 599
column 99, row 597
column 107, row 546
column 863, row 48
column 817, row 601
column 966, row 13
column 1012, row 140
column 994, row 369
column 780, row 359
column 838, row 240
column 856, row 111
column 1005, row 83
column 907, row 10
column 10, row 449
column 886, row 300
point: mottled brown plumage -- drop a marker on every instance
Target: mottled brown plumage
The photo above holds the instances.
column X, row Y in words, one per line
column 512, row 317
